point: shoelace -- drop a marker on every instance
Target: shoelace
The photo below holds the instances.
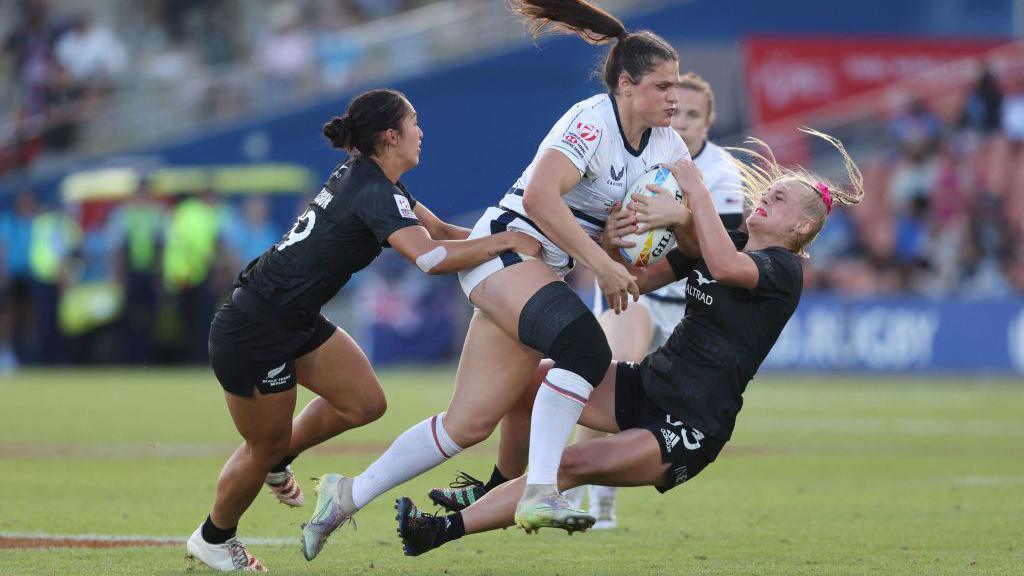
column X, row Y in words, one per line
column 464, row 480
column 240, row 556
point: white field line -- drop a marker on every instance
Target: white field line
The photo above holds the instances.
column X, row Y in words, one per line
column 138, row 538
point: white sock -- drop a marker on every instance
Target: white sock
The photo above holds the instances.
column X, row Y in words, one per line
column 559, row 402
column 417, row 450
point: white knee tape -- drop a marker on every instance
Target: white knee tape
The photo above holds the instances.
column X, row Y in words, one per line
column 428, row 260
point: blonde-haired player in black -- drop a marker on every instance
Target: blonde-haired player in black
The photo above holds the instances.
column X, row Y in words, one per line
column 671, row 414
column 270, row 334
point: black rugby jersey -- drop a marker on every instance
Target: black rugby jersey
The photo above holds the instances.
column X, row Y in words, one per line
column 699, row 375
column 344, row 229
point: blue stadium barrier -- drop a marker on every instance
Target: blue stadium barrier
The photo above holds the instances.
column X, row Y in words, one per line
column 904, row 335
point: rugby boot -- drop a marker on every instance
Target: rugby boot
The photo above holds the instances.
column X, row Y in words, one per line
column 460, row 494
column 543, row 506
column 230, row 556
column 283, row 486
column 334, row 507
column 417, row 529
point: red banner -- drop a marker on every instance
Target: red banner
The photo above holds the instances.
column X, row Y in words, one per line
column 787, row 76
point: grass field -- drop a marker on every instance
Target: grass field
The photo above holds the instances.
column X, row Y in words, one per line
column 824, row 476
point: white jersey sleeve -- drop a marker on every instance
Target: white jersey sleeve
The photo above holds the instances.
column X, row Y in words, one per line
column 578, row 137
column 722, row 178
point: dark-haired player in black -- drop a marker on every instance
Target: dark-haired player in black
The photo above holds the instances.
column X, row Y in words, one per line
column 270, row 334
column 672, row 413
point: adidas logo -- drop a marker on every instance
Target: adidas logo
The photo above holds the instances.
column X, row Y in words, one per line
column 671, row 439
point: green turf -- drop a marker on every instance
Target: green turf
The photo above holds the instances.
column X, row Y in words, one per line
column 824, row 476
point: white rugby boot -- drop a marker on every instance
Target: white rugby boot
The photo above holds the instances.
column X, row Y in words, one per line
column 602, row 506
column 230, row 556
column 334, row 507
column 285, row 488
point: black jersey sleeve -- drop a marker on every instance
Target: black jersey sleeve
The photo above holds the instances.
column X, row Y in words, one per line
column 385, row 210
column 681, row 264
column 778, row 270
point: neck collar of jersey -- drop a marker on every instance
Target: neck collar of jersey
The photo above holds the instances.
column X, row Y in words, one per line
column 625, row 141
column 372, row 165
column 703, row 145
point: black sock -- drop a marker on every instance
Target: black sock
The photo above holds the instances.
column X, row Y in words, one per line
column 214, row 535
column 283, row 463
column 453, row 529
column 496, row 480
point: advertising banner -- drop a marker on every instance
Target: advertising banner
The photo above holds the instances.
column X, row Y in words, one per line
column 787, row 76
column 902, row 335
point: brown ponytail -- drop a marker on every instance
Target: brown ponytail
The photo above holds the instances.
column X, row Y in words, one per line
column 635, row 53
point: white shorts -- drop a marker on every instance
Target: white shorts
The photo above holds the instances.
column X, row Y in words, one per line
column 665, row 315
column 495, row 220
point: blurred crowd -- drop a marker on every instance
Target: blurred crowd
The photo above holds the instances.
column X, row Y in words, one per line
column 944, row 209
column 62, row 61
column 133, row 281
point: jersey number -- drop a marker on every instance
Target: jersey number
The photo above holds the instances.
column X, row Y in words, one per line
column 299, row 232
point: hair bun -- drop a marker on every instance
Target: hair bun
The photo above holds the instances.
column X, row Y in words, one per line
column 339, row 131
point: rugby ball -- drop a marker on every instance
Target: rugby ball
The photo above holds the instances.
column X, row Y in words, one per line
column 651, row 245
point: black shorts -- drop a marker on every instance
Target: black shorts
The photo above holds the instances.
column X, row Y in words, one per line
column 247, row 353
column 685, row 448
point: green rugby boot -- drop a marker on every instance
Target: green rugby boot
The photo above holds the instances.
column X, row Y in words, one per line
column 460, row 494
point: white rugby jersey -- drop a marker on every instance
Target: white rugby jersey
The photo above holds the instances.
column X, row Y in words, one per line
column 722, row 178
column 590, row 136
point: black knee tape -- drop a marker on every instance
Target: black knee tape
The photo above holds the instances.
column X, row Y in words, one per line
column 556, row 322
column 582, row 348
column 547, row 313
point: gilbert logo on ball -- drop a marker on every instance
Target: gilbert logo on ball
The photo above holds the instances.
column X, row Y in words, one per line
column 651, row 245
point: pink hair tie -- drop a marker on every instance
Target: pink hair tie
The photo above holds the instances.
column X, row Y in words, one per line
column 826, row 196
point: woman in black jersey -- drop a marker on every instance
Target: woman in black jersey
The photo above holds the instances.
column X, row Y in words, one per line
column 270, row 334
column 672, row 413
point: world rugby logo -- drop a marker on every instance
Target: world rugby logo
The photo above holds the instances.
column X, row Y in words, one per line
column 587, row 131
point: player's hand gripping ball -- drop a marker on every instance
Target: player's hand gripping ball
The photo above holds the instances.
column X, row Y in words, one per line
column 651, row 245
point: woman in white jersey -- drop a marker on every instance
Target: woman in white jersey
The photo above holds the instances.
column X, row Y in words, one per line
column 525, row 311
column 635, row 332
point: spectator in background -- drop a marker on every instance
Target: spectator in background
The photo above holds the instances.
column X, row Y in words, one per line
column 92, row 54
column 138, row 229
column 190, row 248
column 17, row 321
column 917, row 132
column 1012, row 113
column 55, row 238
column 248, row 235
column 287, row 56
column 981, row 111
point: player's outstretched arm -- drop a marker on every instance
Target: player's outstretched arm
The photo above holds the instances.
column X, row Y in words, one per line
column 446, row 256
column 437, row 228
column 725, row 263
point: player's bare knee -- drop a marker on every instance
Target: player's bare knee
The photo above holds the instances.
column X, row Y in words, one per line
column 373, row 408
column 469, row 431
column 269, row 452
